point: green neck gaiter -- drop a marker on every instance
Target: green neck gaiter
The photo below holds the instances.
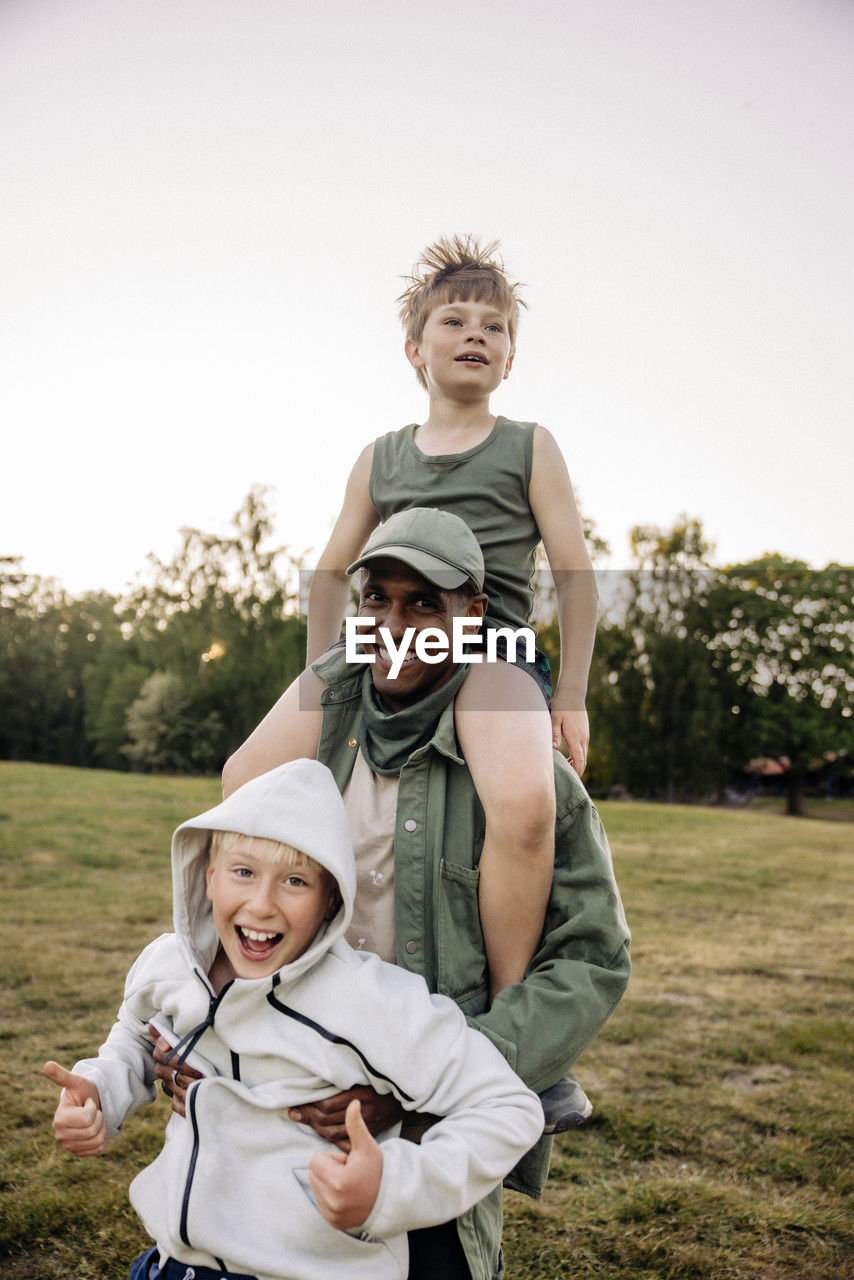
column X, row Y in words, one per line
column 388, row 738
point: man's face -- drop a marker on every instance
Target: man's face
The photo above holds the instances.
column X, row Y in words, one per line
column 396, row 597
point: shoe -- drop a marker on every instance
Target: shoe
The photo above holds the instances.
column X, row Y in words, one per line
column 565, row 1106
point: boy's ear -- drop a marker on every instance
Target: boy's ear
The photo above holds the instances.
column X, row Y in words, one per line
column 413, row 354
column 509, row 365
column 335, row 901
column 208, row 875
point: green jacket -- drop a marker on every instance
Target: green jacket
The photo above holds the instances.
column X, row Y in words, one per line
column 578, row 975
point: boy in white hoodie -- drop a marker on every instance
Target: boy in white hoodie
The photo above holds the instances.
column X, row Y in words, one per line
column 258, row 990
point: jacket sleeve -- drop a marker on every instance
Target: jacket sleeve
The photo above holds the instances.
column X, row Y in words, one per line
column 489, row 1119
column 578, row 976
column 123, row 1071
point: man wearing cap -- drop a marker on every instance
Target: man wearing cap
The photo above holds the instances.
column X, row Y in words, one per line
column 418, row 829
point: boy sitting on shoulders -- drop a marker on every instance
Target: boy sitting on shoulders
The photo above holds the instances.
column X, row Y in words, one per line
column 508, row 481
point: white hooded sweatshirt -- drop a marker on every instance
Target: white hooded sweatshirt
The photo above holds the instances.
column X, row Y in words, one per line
column 230, row 1189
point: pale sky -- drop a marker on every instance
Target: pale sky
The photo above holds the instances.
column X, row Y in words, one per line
column 207, row 205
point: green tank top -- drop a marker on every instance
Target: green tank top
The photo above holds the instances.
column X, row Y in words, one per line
column 486, row 486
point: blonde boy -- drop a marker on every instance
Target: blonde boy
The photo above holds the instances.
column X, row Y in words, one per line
column 258, row 991
column 510, row 484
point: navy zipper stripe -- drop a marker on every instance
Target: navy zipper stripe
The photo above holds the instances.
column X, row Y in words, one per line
column 188, row 1185
column 187, row 1043
column 235, row 1065
column 332, row 1038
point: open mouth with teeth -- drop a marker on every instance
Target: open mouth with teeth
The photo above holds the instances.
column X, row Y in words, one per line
column 256, row 944
column 387, row 660
column 471, row 358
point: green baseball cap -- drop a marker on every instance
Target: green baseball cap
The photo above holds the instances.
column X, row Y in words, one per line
column 437, row 544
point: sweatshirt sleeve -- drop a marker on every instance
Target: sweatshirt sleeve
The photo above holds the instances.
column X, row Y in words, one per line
column 489, row 1119
column 581, row 969
column 123, row 1071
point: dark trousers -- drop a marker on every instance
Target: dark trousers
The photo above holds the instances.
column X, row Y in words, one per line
column 435, row 1253
column 147, row 1267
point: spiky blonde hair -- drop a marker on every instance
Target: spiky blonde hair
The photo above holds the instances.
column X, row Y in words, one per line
column 457, row 269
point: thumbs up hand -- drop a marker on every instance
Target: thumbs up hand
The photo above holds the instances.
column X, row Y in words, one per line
column 78, row 1120
column 346, row 1186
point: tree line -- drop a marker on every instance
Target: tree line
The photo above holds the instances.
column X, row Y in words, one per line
column 697, row 669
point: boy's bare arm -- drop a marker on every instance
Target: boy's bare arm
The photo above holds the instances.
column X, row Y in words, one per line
column 327, row 597
column 289, row 731
column 553, row 504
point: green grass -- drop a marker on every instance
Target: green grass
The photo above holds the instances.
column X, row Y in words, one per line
column 722, row 1087
column 837, row 809
column 720, row 1141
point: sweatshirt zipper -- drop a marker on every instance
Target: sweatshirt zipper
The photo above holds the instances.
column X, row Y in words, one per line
column 191, row 1171
column 190, row 1041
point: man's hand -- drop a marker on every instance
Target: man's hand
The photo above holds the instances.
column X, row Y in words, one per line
column 327, row 1118
column 572, row 727
column 78, row 1120
column 175, row 1080
column 346, row 1186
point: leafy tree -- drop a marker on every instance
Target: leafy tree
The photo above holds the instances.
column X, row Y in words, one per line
column 165, row 732
column 46, row 639
column 667, row 718
column 221, row 615
column 111, row 686
column 220, row 618
column 784, row 634
column 657, row 694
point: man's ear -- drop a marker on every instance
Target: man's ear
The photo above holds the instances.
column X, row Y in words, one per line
column 476, row 607
column 413, row 354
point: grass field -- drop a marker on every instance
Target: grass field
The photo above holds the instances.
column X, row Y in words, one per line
column 720, row 1142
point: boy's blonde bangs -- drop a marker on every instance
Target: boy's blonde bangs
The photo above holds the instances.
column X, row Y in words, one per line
column 472, row 285
column 283, row 856
column 458, row 269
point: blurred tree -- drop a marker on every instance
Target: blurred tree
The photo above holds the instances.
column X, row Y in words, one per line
column 667, row 719
column 111, row 686
column 46, row 639
column 166, row 733
column 658, row 692
column 784, row 634
column 222, row 616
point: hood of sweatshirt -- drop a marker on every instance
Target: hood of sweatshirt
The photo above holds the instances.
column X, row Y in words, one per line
column 297, row 804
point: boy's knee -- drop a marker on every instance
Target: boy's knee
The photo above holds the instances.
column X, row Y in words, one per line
column 232, row 774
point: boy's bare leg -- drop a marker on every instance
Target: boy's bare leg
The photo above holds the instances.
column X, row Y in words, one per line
column 505, row 735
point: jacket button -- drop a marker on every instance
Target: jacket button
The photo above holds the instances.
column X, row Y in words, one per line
column 352, row 742
column 410, row 824
column 412, row 947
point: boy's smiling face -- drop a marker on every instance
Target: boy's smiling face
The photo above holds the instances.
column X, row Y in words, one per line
column 465, row 350
column 266, row 912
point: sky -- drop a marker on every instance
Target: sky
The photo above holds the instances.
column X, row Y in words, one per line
column 208, row 205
